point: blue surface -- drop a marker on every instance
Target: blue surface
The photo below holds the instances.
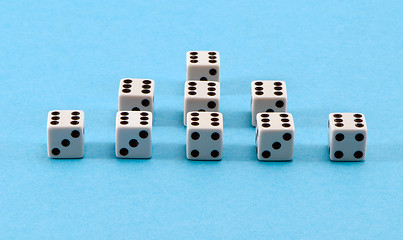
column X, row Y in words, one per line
column 336, row 56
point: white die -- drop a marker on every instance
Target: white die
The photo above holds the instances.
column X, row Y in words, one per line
column 203, row 65
column 268, row 96
column 347, row 136
column 275, row 136
column 133, row 134
column 204, row 136
column 136, row 94
column 201, row 96
column 65, row 130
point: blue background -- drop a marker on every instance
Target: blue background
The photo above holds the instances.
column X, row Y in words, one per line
column 336, row 56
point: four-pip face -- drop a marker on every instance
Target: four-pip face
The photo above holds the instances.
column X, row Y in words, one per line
column 347, row 136
column 204, row 136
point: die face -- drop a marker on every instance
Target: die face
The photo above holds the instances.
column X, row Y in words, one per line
column 203, row 65
column 204, row 144
column 275, row 136
column 65, row 132
column 136, row 94
column 268, row 96
column 347, row 136
column 133, row 134
column 201, row 96
column 204, row 136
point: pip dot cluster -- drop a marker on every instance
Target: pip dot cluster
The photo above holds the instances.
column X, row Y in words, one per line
column 275, row 129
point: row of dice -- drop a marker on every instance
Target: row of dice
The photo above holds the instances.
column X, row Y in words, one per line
column 65, row 128
column 274, row 135
column 275, row 128
column 202, row 116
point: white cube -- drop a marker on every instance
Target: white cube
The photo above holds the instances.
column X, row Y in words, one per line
column 204, row 136
column 347, row 136
column 133, row 134
column 203, row 96
column 65, row 130
column 268, row 96
column 136, row 94
column 275, row 136
column 203, row 65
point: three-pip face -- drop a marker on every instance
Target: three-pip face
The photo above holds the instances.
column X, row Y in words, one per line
column 133, row 134
column 65, row 130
